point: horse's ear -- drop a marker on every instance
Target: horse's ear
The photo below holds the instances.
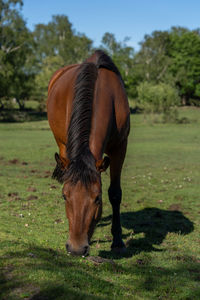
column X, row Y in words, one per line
column 61, row 161
column 103, row 164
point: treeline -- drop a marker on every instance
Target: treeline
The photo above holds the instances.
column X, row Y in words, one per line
column 163, row 73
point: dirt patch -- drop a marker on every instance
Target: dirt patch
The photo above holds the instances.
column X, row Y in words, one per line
column 58, row 221
column 33, row 171
column 47, row 174
column 53, row 187
column 175, row 206
column 13, row 194
column 140, row 201
column 126, row 205
column 179, row 197
column 13, row 197
column 32, row 197
column 13, row 161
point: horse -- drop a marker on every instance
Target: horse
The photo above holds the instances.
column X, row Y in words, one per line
column 89, row 116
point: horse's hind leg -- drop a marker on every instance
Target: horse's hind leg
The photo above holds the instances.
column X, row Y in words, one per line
column 115, row 194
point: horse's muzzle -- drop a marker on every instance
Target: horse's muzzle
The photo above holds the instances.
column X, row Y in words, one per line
column 83, row 250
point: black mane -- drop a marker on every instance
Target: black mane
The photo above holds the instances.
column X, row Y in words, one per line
column 82, row 163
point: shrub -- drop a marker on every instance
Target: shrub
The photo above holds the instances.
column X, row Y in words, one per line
column 159, row 98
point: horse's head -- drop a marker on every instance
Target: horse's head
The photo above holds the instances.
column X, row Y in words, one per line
column 83, row 208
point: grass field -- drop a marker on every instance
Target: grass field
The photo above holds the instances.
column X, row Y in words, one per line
column 160, row 215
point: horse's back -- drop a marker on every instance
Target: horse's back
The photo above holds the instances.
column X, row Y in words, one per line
column 57, row 74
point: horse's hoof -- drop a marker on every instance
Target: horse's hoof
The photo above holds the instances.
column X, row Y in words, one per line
column 119, row 250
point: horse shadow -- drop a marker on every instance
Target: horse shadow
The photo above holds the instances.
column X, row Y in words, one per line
column 152, row 226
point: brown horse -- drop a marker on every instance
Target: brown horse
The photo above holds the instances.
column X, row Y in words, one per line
column 88, row 113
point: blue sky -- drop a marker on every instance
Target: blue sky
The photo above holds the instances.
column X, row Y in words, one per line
column 124, row 18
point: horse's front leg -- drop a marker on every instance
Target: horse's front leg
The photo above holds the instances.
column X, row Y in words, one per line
column 115, row 195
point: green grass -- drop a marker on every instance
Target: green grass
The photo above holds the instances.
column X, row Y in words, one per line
column 160, row 215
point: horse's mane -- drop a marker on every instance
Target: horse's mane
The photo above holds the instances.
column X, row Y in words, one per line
column 82, row 163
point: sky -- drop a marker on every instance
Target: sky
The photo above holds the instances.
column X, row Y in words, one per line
column 123, row 18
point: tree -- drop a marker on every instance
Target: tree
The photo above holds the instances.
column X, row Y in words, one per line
column 171, row 57
column 59, row 38
column 122, row 56
column 56, row 44
column 15, row 50
column 184, row 52
column 51, row 64
column 152, row 61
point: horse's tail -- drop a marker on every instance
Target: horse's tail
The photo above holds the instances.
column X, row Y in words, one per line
column 102, row 60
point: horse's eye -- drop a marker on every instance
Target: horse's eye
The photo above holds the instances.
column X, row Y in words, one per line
column 97, row 200
column 64, row 197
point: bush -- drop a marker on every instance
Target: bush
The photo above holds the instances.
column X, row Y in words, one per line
column 195, row 102
column 159, row 98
